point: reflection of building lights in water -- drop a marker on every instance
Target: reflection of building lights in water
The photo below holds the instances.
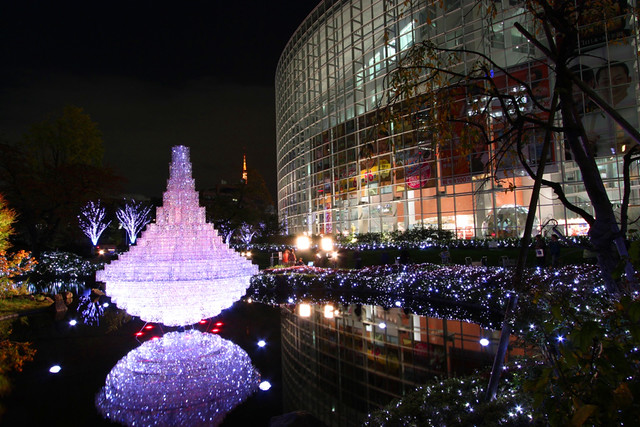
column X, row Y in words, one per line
column 328, row 311
column 305, row 310
column 184, row 378
column 384, row 335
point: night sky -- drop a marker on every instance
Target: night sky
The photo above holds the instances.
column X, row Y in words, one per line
column 152, row 74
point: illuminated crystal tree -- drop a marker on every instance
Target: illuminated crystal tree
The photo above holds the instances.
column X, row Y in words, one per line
column 180, row 272
column 93, row 221
column 133, row 217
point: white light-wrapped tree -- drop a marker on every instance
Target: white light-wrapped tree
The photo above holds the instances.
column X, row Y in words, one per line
column 248, row 232
column 93, row 221
column 133, row 217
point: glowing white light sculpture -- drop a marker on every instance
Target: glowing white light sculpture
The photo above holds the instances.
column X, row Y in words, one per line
column 180, row 271
column 182, row 379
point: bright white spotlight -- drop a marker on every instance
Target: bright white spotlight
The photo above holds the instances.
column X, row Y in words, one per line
column 265, row 385
column 382, row 325
column 55, row 369
column 303, row 243
column 484, row 342
column 262, row 343
column 73, row 322
column 326, row 243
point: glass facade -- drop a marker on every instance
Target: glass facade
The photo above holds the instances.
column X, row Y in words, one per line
column 338, row 172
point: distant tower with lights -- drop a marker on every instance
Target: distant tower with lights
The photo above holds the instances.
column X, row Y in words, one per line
column 244, row 168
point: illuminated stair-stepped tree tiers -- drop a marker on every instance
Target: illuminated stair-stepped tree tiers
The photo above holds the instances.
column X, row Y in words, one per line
column 180, row 271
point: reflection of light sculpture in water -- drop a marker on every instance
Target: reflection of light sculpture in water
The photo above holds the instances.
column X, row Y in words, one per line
column 184, row 378
column 180, row 271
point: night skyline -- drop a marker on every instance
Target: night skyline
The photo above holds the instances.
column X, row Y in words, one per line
column 152, row 76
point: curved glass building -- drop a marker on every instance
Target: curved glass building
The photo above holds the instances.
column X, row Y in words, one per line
column 340, row 173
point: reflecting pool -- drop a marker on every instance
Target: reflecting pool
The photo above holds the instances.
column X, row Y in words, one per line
column 116, row 366
column 341, row 362
column 336, row 360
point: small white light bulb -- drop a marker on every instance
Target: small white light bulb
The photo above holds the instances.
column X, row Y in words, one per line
column 265, row 385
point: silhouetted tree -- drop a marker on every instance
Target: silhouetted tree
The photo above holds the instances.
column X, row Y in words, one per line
column 51, row 173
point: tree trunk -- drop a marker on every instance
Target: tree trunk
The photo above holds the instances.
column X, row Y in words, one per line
column 604, row 230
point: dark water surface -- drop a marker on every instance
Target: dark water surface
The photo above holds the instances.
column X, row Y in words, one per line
column 345, row 357
column 88, row 353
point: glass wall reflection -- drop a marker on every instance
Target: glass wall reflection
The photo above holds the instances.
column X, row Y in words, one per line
column 342, row 362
